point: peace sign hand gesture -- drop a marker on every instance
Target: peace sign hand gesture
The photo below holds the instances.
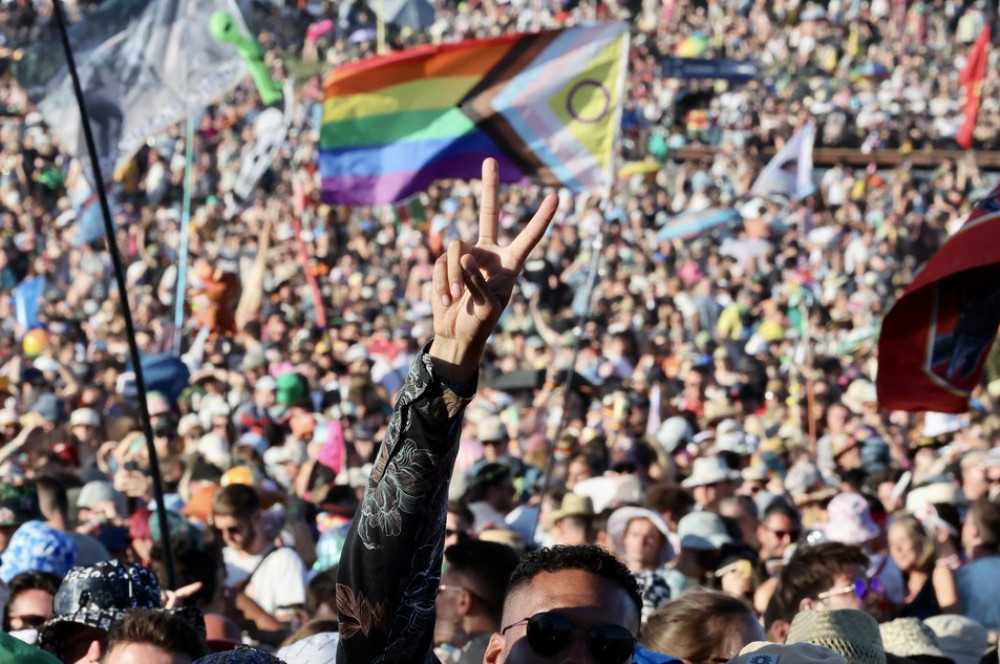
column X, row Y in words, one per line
column 473, row 283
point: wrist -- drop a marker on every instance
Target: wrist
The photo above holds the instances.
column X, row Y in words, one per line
column 454, row 361
column 461, row 389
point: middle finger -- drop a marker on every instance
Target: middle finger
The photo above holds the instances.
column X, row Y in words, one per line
column 455, row 250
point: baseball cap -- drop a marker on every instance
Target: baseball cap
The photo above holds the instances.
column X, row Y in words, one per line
column 87, row 417
column 266, row 384
column 254, row 359
column 292, row 389
column 762, row 652
column 49, row 407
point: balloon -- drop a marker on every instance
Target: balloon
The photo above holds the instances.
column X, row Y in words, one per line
column 34, row 343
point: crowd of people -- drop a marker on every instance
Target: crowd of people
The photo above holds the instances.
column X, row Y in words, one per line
column 675, row 443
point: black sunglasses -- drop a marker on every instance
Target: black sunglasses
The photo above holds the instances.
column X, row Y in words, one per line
column 30, row 622
column 549, row 633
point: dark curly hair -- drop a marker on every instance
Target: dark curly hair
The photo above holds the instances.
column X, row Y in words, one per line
column 588, row 558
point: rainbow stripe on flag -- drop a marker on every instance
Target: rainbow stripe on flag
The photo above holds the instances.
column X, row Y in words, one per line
column 547, row 105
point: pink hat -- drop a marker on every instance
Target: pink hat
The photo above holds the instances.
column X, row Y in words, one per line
column 849, row 520
column 690, row 273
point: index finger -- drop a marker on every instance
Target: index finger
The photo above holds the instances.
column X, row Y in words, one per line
column 526, row 240
column 488, row 207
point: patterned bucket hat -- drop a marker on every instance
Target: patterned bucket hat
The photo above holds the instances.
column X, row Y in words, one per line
column 37, row 546
column 240, row 655
column 98, row 596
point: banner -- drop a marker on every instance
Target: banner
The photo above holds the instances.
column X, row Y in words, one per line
column 971, row 78
column 413, row 14
column 694, row 223
column 27, row 296
column 547, row 105
column 738, row 71
column 935, row 339
column 410, row 213
column 269, row 133
column 789, row 173
column 143, row 66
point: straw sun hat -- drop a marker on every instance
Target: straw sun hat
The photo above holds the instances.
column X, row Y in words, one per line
column 853, row 634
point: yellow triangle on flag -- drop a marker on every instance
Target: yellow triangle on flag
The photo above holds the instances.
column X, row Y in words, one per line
column 588, row 103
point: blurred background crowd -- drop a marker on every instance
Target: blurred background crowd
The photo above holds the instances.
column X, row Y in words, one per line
column 720, row 417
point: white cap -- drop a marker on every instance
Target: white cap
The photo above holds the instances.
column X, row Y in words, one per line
column 214, row 448
column 87, row 417
column 188, row 423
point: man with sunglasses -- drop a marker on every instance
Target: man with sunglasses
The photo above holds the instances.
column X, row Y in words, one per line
column 778, row 530
column 579, row 603
column 823, row 577
column 274, row 577
column 30, row 603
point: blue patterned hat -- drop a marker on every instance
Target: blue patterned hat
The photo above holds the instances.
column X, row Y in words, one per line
column 110, row 584
column 36, row 546
column 241, row 655
column 100, row 595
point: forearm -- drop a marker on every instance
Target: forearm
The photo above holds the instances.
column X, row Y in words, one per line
column 72, row 389
column 390, row 567
column 257, row 619
column 11, row 449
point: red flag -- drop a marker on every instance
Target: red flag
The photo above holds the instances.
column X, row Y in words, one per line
column 971, row 78
column 935, row 339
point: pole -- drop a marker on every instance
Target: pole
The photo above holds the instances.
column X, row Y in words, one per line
column 595, row 261
column 116, row 260
column 380, row 27
column 298, row 210
column 810, row 384
column 182, row 259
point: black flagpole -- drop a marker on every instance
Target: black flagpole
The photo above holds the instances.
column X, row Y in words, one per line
column 595, row 264
column 116, row 260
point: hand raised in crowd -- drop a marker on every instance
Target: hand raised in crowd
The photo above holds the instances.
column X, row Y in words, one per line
column 473, row 283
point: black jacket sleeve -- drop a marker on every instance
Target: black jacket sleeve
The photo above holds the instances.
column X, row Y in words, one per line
column 390, row 569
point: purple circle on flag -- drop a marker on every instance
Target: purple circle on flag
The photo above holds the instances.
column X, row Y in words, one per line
column 583, row 85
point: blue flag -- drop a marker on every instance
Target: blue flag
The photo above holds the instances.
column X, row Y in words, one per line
column 27, row 295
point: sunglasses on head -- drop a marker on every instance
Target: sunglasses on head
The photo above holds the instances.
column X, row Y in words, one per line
column 860, row 588
column 550, row 633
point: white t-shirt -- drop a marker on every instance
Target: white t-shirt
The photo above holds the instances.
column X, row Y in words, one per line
column 279, row 581
column 487, row 517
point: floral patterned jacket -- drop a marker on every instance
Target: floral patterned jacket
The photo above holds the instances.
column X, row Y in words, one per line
column 390, row 569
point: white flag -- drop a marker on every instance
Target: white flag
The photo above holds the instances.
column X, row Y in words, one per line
column 143, row 66
column 789, row 173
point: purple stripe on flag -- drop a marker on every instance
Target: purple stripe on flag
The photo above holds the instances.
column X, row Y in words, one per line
column 398, row 185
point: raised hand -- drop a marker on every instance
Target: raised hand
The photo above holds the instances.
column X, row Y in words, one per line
column 473, row 283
